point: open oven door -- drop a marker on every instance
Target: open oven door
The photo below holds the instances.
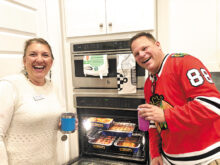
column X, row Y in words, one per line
column 103, row 129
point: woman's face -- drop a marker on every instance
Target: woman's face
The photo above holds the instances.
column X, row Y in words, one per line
column 37, row 61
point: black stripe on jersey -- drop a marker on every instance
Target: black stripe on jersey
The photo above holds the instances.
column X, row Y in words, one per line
column 217, row 105
column 192, row 158
column 152, row 124
column 161, row 66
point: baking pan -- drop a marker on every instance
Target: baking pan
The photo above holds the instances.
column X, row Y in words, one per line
column 102, row 142
column 120, row 129
column 103, row 123
column 128, row 144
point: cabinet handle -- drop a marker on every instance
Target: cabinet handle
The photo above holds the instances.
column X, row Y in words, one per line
column 101, row 25
column 110, row 24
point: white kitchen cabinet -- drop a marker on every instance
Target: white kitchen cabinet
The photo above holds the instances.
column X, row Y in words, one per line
column 95, row 17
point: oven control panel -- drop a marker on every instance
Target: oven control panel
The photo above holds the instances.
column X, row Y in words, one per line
column 101, row 46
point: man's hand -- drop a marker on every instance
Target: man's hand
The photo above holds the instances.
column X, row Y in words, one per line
column 157, row 161
column 151, row 112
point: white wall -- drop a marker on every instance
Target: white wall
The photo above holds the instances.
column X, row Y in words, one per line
column 191, row 26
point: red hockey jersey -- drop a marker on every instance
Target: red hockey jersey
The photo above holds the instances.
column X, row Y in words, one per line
column 191, row 104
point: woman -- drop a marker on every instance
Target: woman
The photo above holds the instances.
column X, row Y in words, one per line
column 30, row 110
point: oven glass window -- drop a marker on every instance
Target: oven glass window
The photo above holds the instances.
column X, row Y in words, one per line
column 111, row 133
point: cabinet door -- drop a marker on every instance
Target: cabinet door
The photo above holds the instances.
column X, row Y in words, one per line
column 84, row 17
column 20, row 20
column 130, row 15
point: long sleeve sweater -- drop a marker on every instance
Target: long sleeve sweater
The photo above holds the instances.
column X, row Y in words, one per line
column 29, row 117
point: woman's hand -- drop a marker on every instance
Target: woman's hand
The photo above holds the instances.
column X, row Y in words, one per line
column 76, row 124
column 151, row 112
column 157, row 161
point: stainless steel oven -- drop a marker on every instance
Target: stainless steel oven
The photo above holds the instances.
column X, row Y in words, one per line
column 110, row 48
column 99, row 142
column 107, row 118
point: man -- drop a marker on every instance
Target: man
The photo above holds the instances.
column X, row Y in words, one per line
column 182, row 104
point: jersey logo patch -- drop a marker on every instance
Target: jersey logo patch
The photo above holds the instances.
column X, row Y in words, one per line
column 158, row 100
column 178, row 54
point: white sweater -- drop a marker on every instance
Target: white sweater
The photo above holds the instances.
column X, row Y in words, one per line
column 29, row 117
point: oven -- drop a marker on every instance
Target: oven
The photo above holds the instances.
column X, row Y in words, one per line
column 99, row 112
column 108, row 122
column 112, row 49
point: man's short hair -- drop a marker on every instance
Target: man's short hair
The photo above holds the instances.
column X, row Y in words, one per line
column 147, row 35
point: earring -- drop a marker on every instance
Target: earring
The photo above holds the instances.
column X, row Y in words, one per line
column 25, row 73
column 50, row 75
